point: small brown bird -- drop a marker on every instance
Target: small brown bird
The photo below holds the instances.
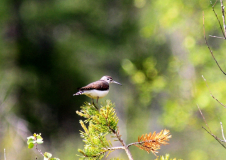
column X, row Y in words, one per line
column 97, row 89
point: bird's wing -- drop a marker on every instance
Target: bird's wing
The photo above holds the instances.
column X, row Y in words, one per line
column 96, row 85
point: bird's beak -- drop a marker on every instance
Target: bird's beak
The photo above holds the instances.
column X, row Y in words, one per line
column 116, row 83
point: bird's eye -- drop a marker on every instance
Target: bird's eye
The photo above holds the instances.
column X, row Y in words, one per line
column 108, row 79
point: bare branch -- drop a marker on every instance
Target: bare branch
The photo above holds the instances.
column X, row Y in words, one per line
column 212, row 94
column 217, row 37
column 223, row 32
column 209, row 47
column 223, row 17
column 214, row 4
column 215, row 137
column 115, row 148
column 134, row 143
column 222, row 131
column 124, row 145
column 107, row 149
column 36, row 147
column 203, row 117
column 4, row 154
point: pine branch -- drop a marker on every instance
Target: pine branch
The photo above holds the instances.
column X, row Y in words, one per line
column 104, row 121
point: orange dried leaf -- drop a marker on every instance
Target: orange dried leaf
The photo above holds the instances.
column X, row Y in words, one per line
column 152, row 142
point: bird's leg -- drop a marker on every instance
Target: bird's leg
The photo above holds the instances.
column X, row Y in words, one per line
column 94, row 104
column 97, row 103
column 97, row 99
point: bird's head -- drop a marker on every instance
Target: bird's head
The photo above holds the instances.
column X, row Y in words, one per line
column 109, row 80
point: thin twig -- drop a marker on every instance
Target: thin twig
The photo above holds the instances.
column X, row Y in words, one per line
column 107, row 149
column 215, row 137
column 223, row 17
column 217, row 37
column 115, row 148
column 214, row 4
column 219, row 20
column 222, row 131
column 203, row 117
column 36, row 147
column 122, row 147
column 209, row 47
column 135, row 143
column 212, row 94
column 125, row 147
column 4, row 154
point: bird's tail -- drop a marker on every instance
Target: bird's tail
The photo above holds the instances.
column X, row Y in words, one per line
column 78, row 93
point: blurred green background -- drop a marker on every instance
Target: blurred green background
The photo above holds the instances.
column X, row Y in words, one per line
column 156, row 49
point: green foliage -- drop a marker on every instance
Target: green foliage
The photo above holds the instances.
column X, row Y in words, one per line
column 47, row 156
column 35, row 140
column 100, row 123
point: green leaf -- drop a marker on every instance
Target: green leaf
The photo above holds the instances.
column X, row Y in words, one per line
column 30, row 145
column 47, row 156
column 39, row 139
column 31, row 137
column 30, row 140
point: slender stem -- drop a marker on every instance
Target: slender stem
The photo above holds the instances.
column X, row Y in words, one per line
column 134, row 143
column 215, row 137
column 212, row 94
column 108, row 149
column 222, row 131
column 218, row 21
column 209, row 47
column 203, row 118
column 115, row 148
column 218, row 140
column 36, row 147
column 216, row 37
column 223, row 17
column 4, row 154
